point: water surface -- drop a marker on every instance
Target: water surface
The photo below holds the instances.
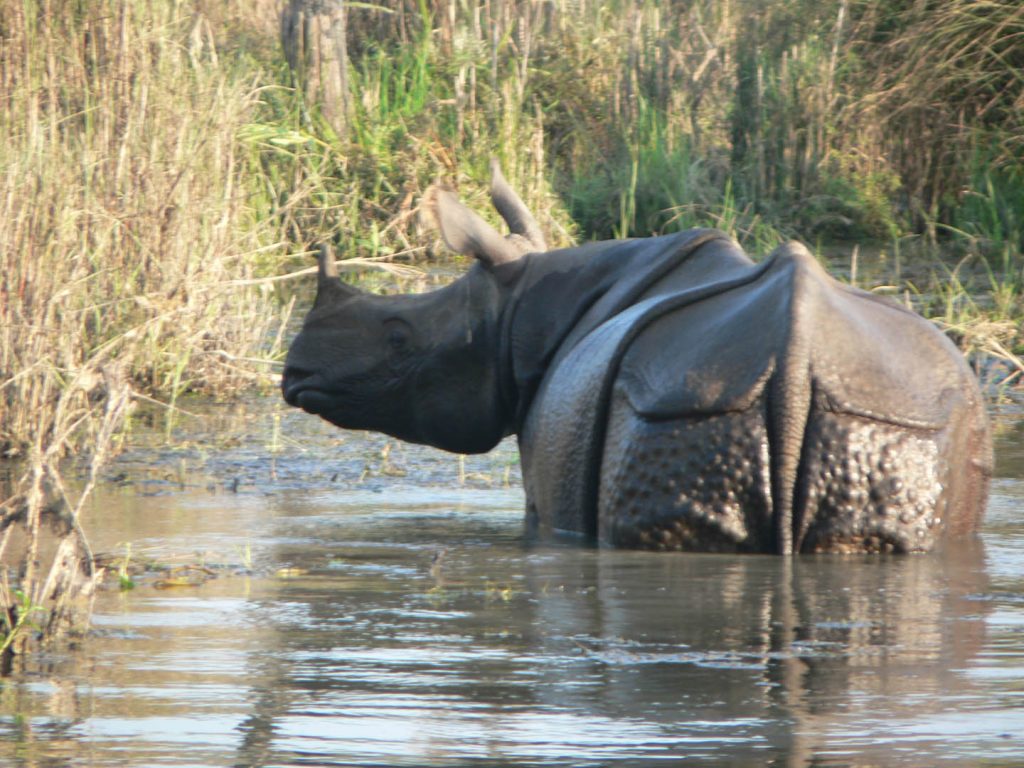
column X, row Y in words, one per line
column 376, row 604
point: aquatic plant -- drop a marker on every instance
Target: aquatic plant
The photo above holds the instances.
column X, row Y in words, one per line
column 124, row 578
column 16, row 620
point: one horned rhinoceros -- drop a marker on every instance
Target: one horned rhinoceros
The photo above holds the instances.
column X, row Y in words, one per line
column 667, row 393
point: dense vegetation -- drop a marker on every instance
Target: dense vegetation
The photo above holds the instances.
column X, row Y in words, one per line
column 156, row 159
column 870, row 118
column 159, row 171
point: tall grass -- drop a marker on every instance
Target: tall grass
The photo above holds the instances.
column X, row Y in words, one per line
column 124, row 219
column 420, row 113
column 831, row 119
column 126, row 244
column 946, row 88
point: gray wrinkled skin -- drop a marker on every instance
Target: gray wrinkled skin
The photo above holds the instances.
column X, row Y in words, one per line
column 667, row 393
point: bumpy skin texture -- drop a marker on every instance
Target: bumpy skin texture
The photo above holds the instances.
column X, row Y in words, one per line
column 668, row 393
column 704, row 484
column 693, row 484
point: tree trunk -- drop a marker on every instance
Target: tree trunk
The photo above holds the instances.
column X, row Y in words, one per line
column 314, row 37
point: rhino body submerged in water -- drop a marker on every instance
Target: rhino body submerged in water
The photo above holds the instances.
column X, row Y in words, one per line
column 667, row 392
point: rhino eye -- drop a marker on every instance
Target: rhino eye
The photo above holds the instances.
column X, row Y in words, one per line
column 397, row 335
column 397, row 339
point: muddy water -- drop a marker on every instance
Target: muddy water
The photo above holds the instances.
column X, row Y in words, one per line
column 373, row 604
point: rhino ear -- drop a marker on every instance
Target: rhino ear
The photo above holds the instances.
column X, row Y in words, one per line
column 525, row 230
column 465, row 232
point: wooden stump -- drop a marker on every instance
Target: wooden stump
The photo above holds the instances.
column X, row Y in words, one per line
column 314, row 37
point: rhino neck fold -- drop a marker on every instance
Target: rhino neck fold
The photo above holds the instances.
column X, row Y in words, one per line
column 562, row 296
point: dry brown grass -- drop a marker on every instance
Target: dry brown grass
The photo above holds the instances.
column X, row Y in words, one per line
column 128, row 248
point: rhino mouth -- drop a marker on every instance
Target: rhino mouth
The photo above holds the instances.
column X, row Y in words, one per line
column 313, row 394
column 314, row 401
column 300, row 389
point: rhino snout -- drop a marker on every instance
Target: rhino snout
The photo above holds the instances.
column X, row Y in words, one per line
column 312, row 392
column 293, row 382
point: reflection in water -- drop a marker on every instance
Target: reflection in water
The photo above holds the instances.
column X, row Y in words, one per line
column 379, row 650
column 593, row 655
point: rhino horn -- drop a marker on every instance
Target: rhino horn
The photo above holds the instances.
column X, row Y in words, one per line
column 515, row 213
column 465, row 232
column 328, row 285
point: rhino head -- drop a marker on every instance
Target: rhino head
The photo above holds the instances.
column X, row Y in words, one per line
column 424, row 368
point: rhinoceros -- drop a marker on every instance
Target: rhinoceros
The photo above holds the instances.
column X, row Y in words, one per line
column 667, row 392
